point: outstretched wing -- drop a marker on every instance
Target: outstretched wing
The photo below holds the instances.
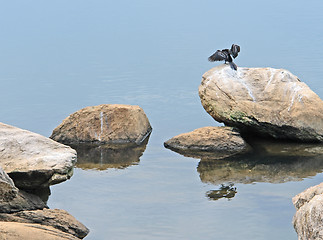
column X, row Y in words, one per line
column 218, row 56
column 235, row 49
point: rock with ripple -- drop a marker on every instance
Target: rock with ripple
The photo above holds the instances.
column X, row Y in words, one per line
column 266, row 101
column 32, row 160
column 104, row 124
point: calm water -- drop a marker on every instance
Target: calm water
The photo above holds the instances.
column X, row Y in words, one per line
column 57, row 57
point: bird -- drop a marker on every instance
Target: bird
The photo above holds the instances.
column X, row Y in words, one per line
column 225, row 54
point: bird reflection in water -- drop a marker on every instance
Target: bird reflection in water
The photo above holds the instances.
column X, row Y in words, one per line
column 228, row 192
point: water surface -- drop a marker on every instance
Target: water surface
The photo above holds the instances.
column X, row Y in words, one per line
column 60, row 56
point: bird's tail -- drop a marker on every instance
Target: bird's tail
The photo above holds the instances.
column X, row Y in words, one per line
column 233, row 66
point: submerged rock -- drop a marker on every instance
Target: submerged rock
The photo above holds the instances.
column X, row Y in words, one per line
column 103, row 124
column 267, row 101
column 216, row 142
column 308, row 220
column 32, row 160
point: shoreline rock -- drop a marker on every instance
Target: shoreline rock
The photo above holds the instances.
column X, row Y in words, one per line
column 308, row 219
column 266, row 101
column 17, row 206
column 104, row 124
column 34, row 231
column 56, row 218
column 32, row 160
column 14, row 200
column 216, row 142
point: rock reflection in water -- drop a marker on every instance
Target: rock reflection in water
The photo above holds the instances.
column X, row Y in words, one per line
column 225, row 191
column 273, row 162
column 107, row 156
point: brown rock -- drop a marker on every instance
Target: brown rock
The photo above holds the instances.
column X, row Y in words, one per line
column 27, row 231
column 32, row 160
column 106, row 123
column 217, row 142
column 308, row 220
column 57, row 218
column 265, row 101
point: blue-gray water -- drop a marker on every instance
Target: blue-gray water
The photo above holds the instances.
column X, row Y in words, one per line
column 57, row 57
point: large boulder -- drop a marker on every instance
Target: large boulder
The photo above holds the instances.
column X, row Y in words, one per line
column 32, row 160
column 265, row 101
column 308, row 220
column 104, row 124
column 215, row 142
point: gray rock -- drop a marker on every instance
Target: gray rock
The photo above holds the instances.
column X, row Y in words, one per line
column 57, row 218
column 308, row 220
column 266, row 101
column 104, row 124
column 215, row 142
column 13, row 200
column 8, row 190
column 22, row 201
column 32, row 160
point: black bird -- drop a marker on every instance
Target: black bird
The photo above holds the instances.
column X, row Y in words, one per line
column 225, row 55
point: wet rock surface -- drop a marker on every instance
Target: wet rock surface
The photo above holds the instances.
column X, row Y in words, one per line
column 215, row 142
column 104, row 124
column 32, row 160
column 266, row 101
